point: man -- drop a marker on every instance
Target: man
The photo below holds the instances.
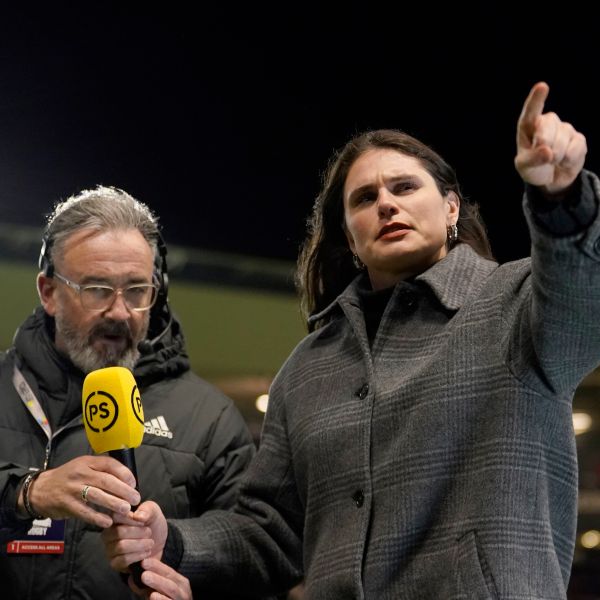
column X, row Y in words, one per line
column 103, row 292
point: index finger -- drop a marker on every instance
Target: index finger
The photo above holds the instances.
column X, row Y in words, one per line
column 534, row 106
column 107, row 464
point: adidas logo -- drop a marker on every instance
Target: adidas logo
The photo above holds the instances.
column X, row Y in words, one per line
column 158, row 426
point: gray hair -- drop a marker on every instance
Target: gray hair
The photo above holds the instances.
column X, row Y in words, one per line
column 101, row 209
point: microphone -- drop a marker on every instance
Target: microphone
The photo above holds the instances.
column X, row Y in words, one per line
column 113, row 418
column 147, row 346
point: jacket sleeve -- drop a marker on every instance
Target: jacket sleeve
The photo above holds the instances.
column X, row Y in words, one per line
column 11, row 524
column 556, row 341
column 227, row 454
column 258, row 546
column 11, row 474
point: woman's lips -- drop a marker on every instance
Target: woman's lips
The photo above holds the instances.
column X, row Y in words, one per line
column 393, row 230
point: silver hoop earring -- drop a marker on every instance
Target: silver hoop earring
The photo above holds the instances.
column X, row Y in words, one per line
column 452, row 233
column 357, row 262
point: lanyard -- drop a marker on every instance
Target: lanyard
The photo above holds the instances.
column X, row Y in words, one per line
column 31, row 402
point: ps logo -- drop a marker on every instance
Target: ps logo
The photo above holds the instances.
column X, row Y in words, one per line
column 136, row 405
column 100, row 411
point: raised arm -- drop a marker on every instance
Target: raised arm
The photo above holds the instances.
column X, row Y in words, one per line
column 556, row 343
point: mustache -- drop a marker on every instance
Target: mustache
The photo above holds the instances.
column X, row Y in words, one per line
column 112, row 328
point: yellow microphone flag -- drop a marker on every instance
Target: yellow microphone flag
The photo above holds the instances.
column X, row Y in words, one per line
column 112, row 410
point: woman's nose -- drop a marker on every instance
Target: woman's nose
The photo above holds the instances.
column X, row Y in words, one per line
column 386, row 204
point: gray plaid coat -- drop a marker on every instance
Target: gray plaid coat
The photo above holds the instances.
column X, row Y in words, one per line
column 438, row 464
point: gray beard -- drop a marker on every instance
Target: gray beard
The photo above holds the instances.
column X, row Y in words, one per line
column 83, row 355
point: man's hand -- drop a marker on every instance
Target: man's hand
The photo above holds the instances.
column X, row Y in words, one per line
column 550, row 152
column 57, row 493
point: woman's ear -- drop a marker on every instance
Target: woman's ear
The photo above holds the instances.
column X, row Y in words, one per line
column 46, row 291
column 453, row 207
column 350, row 239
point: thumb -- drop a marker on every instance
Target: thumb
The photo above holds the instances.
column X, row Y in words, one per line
column 146, row 512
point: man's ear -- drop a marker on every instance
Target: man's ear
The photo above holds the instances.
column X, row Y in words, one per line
column 453, row 207
column 47, row 292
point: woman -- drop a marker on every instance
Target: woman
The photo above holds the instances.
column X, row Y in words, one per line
column 419, row 442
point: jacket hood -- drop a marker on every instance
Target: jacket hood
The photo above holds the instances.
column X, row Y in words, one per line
column 34, row 343
column 163, row 353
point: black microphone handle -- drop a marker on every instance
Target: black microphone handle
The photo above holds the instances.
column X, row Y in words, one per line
column 126, row 457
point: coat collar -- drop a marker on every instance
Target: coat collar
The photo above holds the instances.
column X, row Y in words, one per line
column 452, row 280
column 456, row 276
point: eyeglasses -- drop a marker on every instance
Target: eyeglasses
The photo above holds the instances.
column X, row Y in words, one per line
column 138, row 297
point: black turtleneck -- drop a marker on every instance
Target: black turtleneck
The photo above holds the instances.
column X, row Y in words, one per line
column 373, row 305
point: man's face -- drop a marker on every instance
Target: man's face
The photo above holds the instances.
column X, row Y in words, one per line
column 98, row 339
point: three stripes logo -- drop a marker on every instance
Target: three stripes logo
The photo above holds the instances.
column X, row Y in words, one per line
column 158, row 426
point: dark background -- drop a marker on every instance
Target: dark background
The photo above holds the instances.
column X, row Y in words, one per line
column 222, row 117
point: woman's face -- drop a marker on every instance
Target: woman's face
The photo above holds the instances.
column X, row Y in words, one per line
column 395, row 217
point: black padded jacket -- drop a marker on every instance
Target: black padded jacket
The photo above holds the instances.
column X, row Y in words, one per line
column 195, row 447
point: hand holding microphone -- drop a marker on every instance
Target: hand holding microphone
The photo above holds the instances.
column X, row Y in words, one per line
column 114, row 422
column 58, row 493
column 113, row 419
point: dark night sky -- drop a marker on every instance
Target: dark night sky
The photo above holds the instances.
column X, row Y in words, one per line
column 222, row 118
